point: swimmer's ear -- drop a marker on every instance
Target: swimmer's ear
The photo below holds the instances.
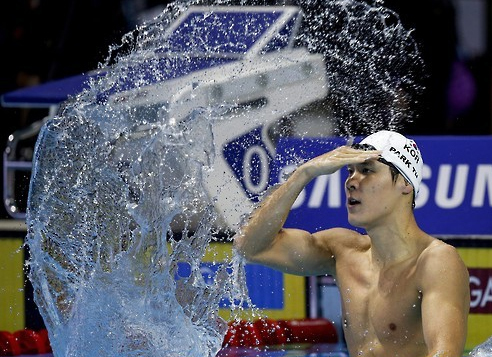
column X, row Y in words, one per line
column 407, row 188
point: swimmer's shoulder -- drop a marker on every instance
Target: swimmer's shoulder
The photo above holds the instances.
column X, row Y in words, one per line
column 438, row 255
column 343, row 239
column 436, row 248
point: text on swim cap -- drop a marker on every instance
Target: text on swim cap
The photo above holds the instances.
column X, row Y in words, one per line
column 412, row 152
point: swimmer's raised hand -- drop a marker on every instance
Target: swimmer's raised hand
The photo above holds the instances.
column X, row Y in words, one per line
column 334, row 160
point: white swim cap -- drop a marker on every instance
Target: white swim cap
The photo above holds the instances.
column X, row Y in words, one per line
column 402, row 152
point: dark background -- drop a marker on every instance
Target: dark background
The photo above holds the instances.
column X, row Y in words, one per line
column 44, row 40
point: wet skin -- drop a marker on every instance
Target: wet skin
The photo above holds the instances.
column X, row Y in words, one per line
column 404, row 293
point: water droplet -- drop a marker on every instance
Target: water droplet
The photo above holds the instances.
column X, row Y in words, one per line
column 141, row 168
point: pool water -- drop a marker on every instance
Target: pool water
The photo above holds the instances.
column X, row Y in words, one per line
column 316, row 350
column 308, row 350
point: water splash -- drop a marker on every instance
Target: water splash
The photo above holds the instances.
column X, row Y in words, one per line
column 111, row 185
column 374, row 67
column 373, row 64
column 483, row 350
column 101, row 210
column 114, row 181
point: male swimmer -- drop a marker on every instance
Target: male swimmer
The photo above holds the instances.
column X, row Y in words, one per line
column 403, row 292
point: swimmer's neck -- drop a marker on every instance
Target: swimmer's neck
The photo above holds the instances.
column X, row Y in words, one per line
column 395, row 242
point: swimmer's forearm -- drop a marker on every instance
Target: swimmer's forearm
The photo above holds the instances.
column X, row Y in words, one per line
column 267, row 220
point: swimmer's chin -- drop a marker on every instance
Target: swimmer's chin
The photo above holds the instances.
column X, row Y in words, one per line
column 357, row 223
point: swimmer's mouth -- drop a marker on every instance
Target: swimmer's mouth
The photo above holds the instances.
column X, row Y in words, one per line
column 352, row 201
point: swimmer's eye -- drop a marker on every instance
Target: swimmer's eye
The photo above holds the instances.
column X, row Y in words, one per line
column 363, row 170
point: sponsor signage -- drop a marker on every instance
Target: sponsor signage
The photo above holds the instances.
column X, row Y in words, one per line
column 455, row 197
column 479, row 263
column 249, row 158
column 480, row 290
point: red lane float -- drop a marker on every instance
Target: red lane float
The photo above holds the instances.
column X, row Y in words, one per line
column 241, row 333
column 24, row 342
column 266, row 332
column 312, row 331
column 8, row 344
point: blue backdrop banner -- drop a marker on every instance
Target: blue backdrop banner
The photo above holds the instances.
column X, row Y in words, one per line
column 455, row 197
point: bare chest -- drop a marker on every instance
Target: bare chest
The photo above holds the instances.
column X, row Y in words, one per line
column 381, row 308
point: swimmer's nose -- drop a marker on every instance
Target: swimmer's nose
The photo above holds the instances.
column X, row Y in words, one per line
column 351, row 183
